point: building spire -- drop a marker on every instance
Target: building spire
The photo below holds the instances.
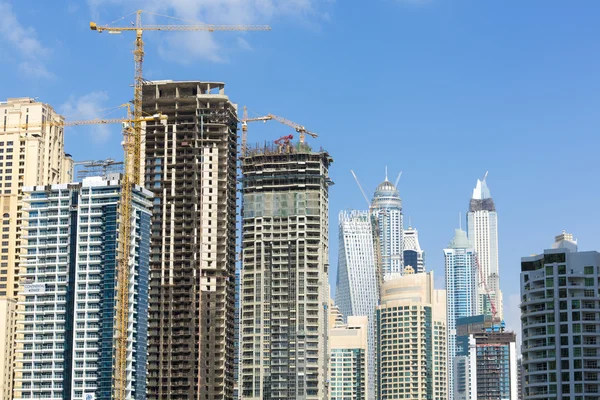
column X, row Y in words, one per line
column 386, row 175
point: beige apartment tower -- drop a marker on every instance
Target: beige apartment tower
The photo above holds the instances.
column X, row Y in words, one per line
column 411, row 345
column 348, row 358
column 190, row 166
column 284, row 284
column 32, row 152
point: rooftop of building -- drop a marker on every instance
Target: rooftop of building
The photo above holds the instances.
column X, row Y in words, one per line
column 88, row 182
column 272, row 149
column 564, row 250
column 460, row 240
column 482, row 197
column 387, row 189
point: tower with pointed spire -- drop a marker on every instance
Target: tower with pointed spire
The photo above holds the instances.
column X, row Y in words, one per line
column 482, row 230
column 387, row 208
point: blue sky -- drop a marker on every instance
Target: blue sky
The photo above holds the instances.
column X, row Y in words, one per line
column 443, row 90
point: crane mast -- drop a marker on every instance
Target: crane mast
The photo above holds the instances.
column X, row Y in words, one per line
column 133, row 147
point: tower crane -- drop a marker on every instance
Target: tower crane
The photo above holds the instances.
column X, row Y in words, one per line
column 132, row 146
column 299, row 128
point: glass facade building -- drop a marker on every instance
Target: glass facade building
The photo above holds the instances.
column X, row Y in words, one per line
column 413, row 255
column 356, row 292
column 66, row 326
column 461, row 291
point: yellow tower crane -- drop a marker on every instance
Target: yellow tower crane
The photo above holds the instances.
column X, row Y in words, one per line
column 299, row 128
column 132, row 146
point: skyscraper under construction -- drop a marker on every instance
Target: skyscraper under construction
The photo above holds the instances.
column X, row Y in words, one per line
column 284, row 284
column 190, row 166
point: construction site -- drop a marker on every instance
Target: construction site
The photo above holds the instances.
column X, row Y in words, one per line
column 190, row 166
column 284, row 289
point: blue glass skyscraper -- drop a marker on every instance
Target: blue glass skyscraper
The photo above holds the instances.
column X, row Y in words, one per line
column 461, row 291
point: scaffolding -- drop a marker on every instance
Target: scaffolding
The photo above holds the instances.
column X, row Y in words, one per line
column 102, row 168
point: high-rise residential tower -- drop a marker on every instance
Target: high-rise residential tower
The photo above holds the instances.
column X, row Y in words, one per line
column 190, row 166
column 387, row 208
column 356, row 292
column 482, row 229
column 284, row 286
column 32, row 152
column 348, row 353
column 413, row 255
column 66, row 329
column 560, row 314
column 461, row 291
column 411, row 339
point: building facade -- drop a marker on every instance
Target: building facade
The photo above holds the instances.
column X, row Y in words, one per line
column 348, row 355
column 411, row 339
column 8, row 317
column 66, row 313
column 560, row 317
column 482, row 230
column 387, row 208
column 356, row 291
column 413, row 255
column 190, row 167
column 32, row 152
column 461, row 291
column 485, row 366
column 284, row 286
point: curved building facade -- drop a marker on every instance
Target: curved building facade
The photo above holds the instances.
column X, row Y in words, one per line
column 356, row 290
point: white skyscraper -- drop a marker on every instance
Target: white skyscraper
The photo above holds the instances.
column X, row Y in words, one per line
column 461, row 291
column 413, row 255
column 482, row 225
column 387, row 207
column 66, row 325
column 356, row 293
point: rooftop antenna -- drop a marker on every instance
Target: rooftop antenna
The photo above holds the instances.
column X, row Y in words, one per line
column 361, row 188
column 409, row 219
column 398, row 180
column 386, row 173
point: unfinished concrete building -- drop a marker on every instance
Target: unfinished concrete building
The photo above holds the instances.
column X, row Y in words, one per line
column 284, row 287
column 190, row 165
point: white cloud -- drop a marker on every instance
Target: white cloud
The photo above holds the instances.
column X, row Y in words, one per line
column 35, row 69
column 185, row 47
column 25, row 42
column 88, row 107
